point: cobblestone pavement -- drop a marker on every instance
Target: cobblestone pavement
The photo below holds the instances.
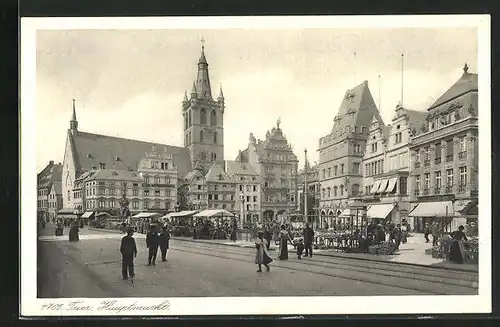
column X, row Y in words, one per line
column 91, row 268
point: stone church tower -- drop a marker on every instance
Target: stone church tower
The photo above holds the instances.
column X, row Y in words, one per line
column 203, row 120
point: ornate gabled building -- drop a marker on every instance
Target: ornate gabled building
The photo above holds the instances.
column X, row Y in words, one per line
column 341, row 152
column 386, row 166
column 48, row 190
column 273, row 159
column 444, row 156
column 203, row 120
column 220, row 189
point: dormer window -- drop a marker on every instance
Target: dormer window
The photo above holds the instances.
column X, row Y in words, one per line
column 115, row 173
column 220, row 177
column 118, row 159
column 89, row 155
column 102, row 165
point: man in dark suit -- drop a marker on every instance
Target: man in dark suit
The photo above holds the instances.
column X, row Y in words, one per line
column 129, row 252
column 152, row 242
column 308, row 234
column 164, row 240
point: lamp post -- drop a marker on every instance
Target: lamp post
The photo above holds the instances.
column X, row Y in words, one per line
column 305, row 186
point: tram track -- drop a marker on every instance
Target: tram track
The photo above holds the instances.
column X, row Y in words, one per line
column 413, row 282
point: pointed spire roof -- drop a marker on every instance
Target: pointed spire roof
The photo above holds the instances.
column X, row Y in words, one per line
column 203, row 79
column 221, row 95
column 73, row 118
column 193, row 90
column 185, row 95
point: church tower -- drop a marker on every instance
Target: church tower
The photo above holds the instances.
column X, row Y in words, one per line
column 203, row 120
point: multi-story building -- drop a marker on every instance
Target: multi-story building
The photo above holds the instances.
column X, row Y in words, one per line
column 203, row 145
column 341, row 152
column 45, row 180
column 386, row 166
column 273, row 159
column 247, row 188
column 444, row 156
column 313, row 192
column 54, row 199
column 153, row 186
column 221, row 189
column 195, row 190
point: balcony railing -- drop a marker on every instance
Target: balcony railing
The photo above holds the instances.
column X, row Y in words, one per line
column 462, row 155
column 437, row 161
column 417, row 164
column 427, row 163
column 437, row 190
column 449, row 158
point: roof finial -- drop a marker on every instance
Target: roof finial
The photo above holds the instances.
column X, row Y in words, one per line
column 202, row 43
column 466, row 68
column 278, row 122
column 221, row 95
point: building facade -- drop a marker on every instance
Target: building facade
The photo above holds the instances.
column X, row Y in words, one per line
column 386, row 167
column 273, row 159
column 46, row 179
column 196, row 191
column 54, row 200
column 221, row 189
column 247, row 190
column 341, row 152
column 444, row 156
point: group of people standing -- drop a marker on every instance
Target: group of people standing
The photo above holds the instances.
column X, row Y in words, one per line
column 156, row 238
column 262, row 245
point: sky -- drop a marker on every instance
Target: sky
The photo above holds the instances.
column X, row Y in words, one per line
column 130, row 83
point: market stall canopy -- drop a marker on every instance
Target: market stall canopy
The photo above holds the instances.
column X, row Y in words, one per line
column 66, row 214
column 101, row 214
column 391, row 185
column 380, row 211
column 382, row 186
column 147, row 215
column 375, row 187
column 180, row 214
column 87, row 214
column 214, row 213
column 433, row 209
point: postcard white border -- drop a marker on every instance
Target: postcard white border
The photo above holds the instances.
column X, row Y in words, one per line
column 31, row 306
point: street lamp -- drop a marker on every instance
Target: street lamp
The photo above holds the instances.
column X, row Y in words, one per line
column 305, row 186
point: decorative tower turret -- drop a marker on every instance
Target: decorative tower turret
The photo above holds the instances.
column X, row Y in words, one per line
column 73, row 123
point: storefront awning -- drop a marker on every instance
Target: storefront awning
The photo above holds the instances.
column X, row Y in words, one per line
column 87, row 214
column 382, row 186
column 375, row 187
column 379, row 211
column 390, row 185
column 65, row 215
column 433, row 209
column 214, row 213
column 180, row 214
column 147, row 215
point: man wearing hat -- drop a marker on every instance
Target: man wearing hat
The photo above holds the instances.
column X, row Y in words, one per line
column 152, row 242
column 128, row 251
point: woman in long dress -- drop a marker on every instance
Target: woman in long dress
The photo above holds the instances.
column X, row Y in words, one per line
column 457, row 251
column 261, row 255
column 284, row 239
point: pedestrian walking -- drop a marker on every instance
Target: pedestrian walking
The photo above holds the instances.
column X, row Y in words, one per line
column 435, row 233
column 268, row 236
column 284, row 237
column 152, row 244
column 164, row 240
column 234, row 229
column 457, row 251
column 300, row 248
column 427, row 231
column 73, row 232
column 396, row 235
column 308, row 234
column 261, row 255
column 128, row 249
column 404, row 233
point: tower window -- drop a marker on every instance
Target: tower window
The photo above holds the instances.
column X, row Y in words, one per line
column 201, row 136
column 213, row 118
column 215, row 137
column 189, row 118
column 185, row 122
column 203, row 116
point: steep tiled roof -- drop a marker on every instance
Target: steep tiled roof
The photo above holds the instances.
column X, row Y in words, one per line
column 239, row 168
column 119, row 153
column 357, row 108
column 467, row 83
column 57, row 187
column 192, row 175
column 242, row 156
column 116, row 174
column 50, row 174
column 216, row 174
column 416, row 119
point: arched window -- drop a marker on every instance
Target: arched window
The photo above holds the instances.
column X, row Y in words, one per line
column 186, row 140
column 203, row 116
column 189, row 118
column 201, row 136
column 215, row 137
column 335, row 191
column 328, row 192
column 185, row 121
column 341, row 190
column 213, row 118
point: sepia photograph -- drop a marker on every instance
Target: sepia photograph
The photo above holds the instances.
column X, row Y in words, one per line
column 264, row 165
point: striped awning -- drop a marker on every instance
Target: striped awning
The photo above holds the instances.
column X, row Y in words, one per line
column 391, row 185
column 375, row 187
column 382, row 186
column 433, row 209
column 87, row 214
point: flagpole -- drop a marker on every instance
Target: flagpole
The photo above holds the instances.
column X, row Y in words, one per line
column 402, row 80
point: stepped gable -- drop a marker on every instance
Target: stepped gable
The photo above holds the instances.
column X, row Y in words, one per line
column 467, row 83
column 120, row 153
column 216, row 174
column 357, row 109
